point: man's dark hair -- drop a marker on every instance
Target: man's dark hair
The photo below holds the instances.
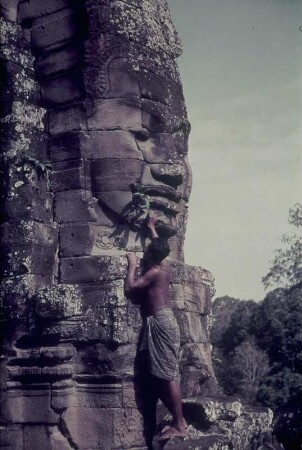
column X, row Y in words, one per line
column 158, row 249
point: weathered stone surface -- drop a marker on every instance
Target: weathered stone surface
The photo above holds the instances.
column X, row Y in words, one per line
column 114, row 174
column 28, row 406
column 152, row 146
column 66, row 58
column 32, row 9
column 93, row 268
column 35, row 259
column 220, row 424
column 95, row 145
column 114, row 200
column 90, row 428
column 112, row 326
column 62, row 89
column 29, row 203
column 36, row 436
column 57, row 28
column 28, row 233
column 19, row 86
column 128, row 428
column 70, row 175
column 111, row 114
column 58, row 440
column 67, row 119
column 75, row 206
column 97, row 396
column 76, row 239
column 194, row 298
column 58, row 302
column 11, row 437
column 193, row 328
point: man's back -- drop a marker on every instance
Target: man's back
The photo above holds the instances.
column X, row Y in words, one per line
column 157, row 292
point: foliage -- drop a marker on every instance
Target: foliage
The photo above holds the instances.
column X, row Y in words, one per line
column 286, row 267
column 258, row 356
column 278, row 327
column 252, row 366
column 257, row 346
column 239, row 363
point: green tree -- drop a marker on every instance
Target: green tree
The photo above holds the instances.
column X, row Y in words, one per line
column 286, row 267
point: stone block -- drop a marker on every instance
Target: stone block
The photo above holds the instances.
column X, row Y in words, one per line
column 90, row 428
column 36, row 436
column 28, row 405
column 95, row 145
column 193, row 327
column 104, row 294
column 157, row 148
column 191, row 297
column 58, row 301
column 72, row 176
column 191, row 274
column 122, row 80
column 88, row 269
column 11, row 437
column 194, row 382
column 121, row 360
column 62, row 60
column 62, row 89
column 112, row 114
column 29, row 203
column 75, row 206
column 35, row 259
column 32, row 9
column 97, row 395
column 39, row 260
column 157, row 117
column 195, row 356
column 128, row 428
column 114, row 200
column 66, row 329
column 114, row 174
column 154, row 87
column 57, row 28
column 57, row 439
column 28, row 232
column 67, row 119
column 110, row 325
column 76, row 239
column 65, row 147
column 34, row 144
column 19, row 86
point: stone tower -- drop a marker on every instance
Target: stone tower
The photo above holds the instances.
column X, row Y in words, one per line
column 93, row 122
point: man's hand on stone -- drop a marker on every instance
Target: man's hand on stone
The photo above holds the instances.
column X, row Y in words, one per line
column 151, row 222
column 132, row 259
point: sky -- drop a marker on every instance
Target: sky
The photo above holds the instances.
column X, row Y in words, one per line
column 241, row 72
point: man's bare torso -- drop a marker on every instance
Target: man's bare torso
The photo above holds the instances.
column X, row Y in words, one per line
column 157, row 293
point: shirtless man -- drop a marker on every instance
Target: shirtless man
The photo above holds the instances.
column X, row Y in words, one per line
column 161, row 333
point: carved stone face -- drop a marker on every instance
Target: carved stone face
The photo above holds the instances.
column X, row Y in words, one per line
column 140, row 132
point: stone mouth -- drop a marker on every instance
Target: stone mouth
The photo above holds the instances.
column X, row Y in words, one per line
column 163, row 204
column 166, row 192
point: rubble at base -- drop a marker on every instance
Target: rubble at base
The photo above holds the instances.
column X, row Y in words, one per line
column 220, row 424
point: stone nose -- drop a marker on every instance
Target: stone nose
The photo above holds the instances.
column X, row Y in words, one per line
column 168, row 174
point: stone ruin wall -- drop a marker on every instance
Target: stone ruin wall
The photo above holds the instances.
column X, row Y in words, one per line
column 91, row 103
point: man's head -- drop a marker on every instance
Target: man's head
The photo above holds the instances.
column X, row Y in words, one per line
column 157, row 251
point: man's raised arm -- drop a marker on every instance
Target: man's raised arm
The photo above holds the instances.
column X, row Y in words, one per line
column 131, row 283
